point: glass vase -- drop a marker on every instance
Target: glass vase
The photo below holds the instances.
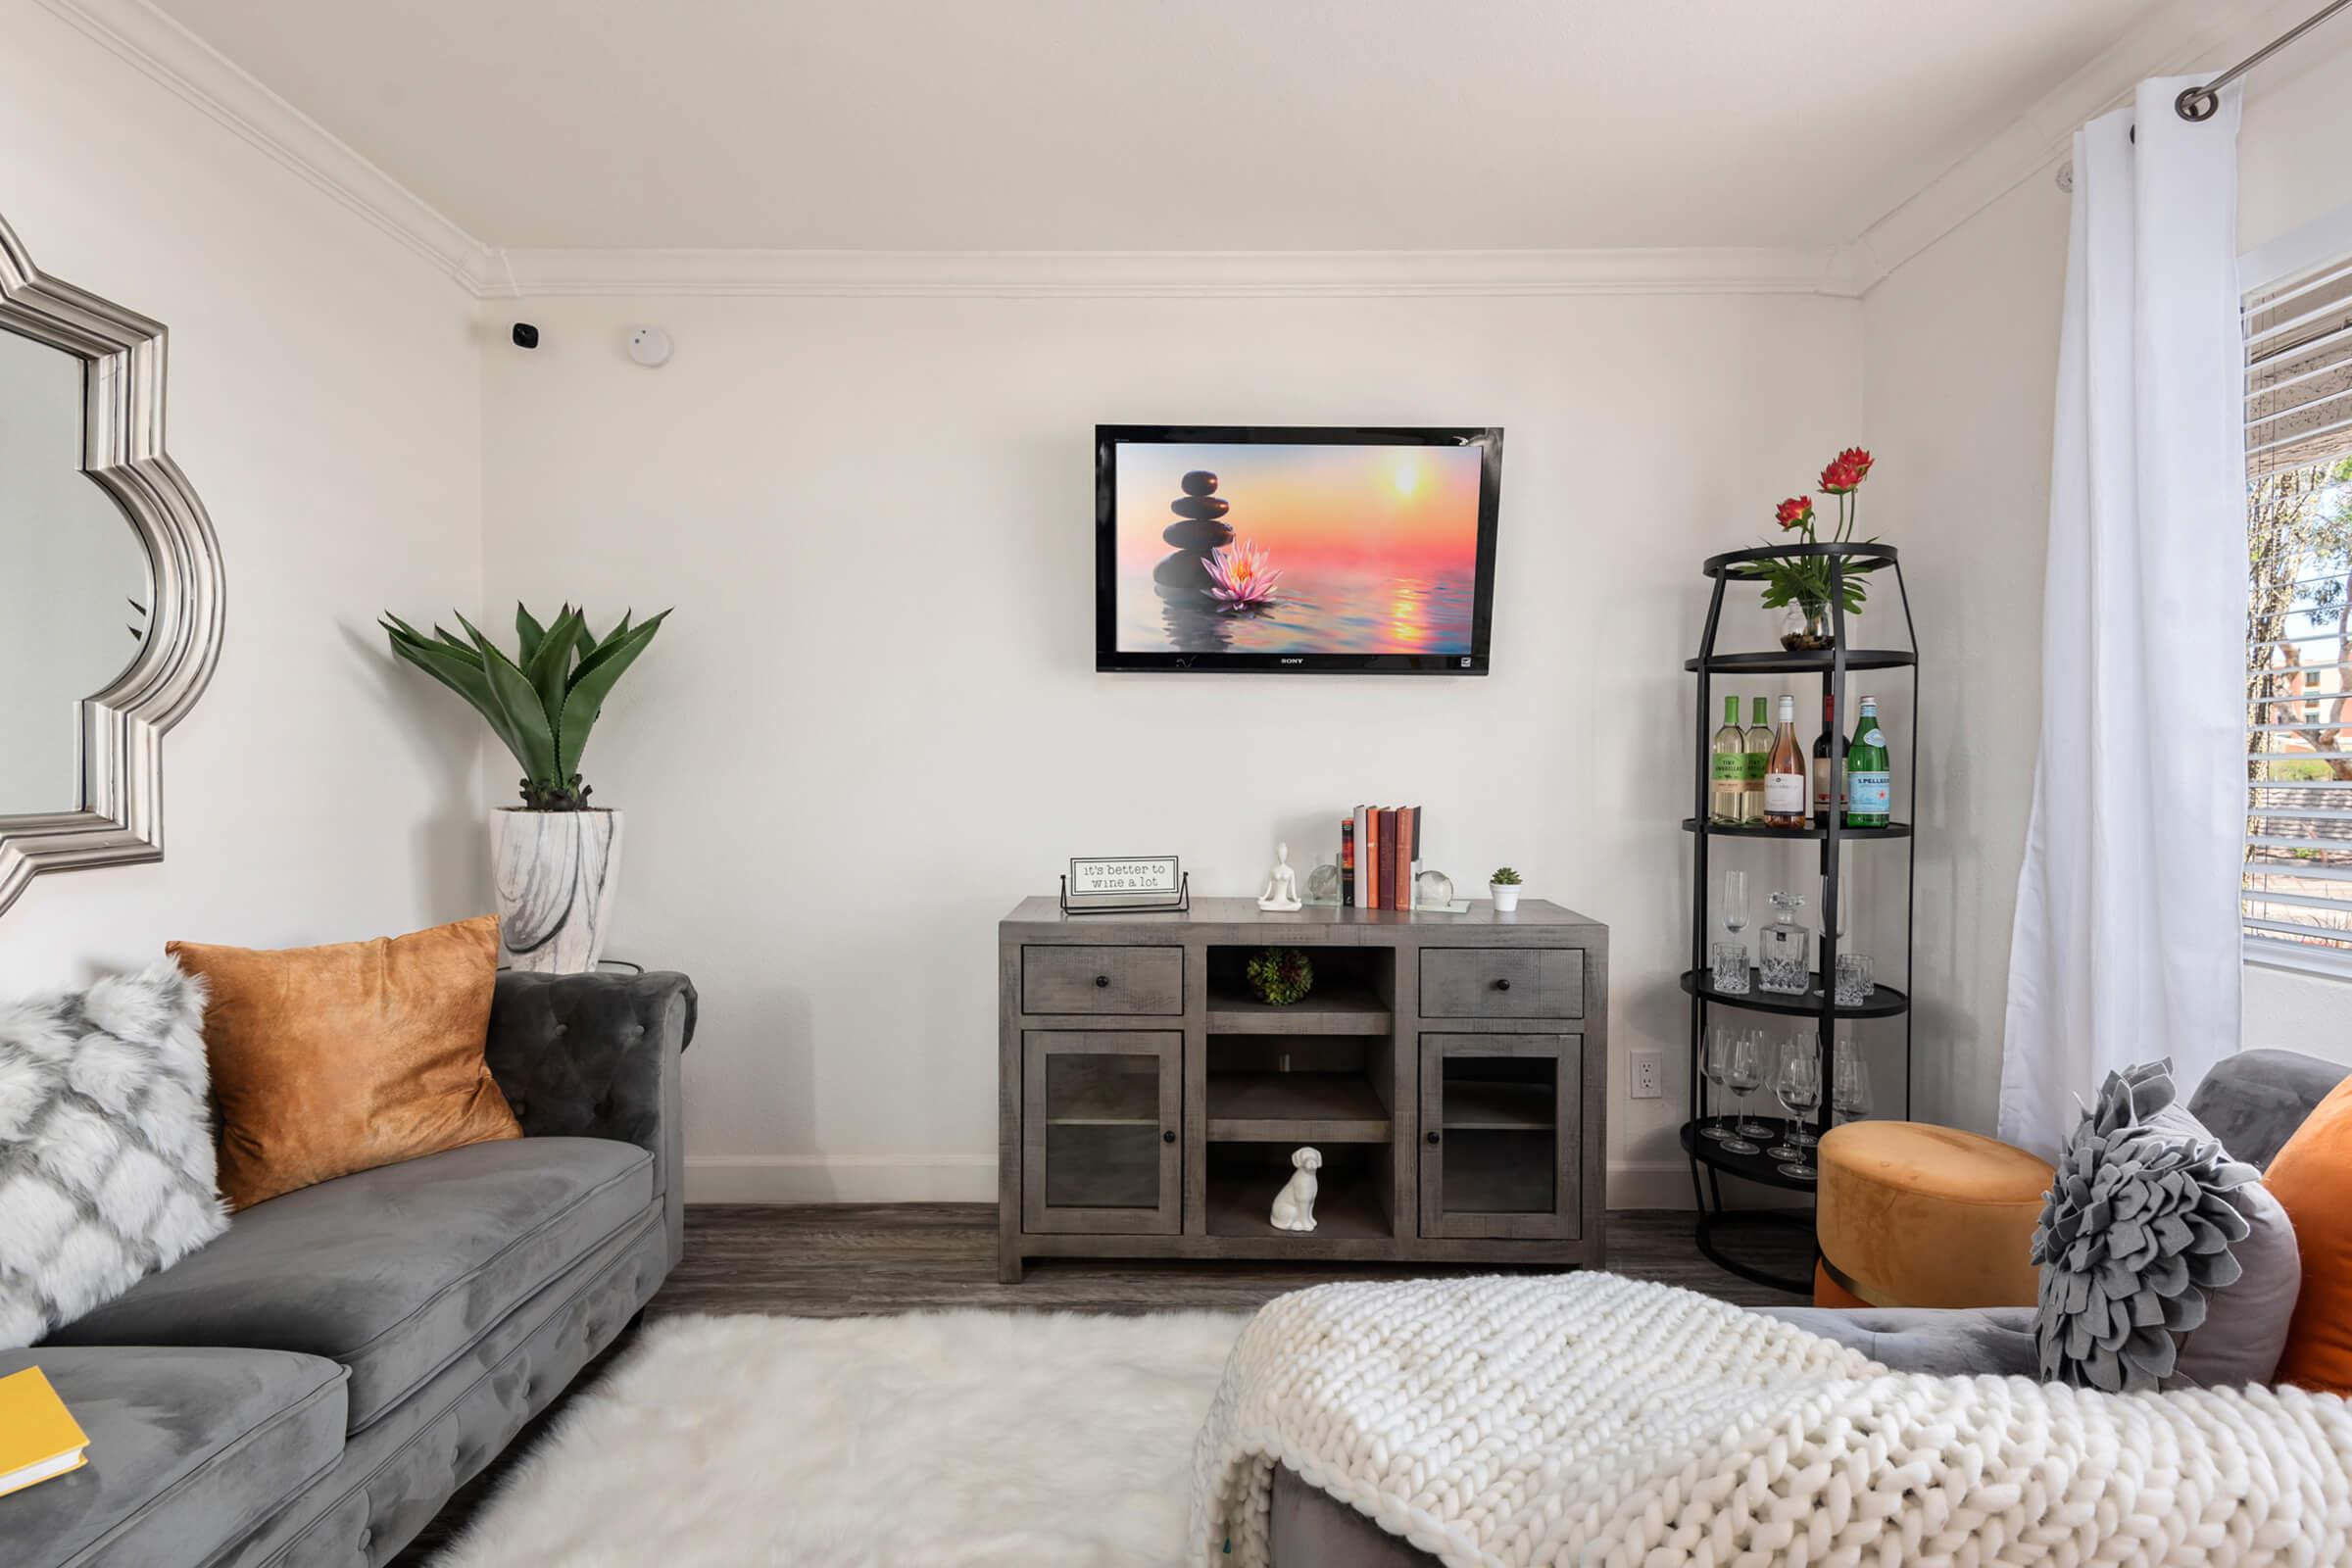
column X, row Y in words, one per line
column 1805, row 628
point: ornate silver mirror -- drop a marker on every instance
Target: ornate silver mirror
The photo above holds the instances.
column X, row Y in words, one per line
column 110, row 580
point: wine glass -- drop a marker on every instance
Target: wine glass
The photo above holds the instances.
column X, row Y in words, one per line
column 1743, row 1075
column 1797, row 1065
column 1760, row 1050
column 1719, row 1051
column 1849, row 1089
column 1799, row 1086
column 1735, row 902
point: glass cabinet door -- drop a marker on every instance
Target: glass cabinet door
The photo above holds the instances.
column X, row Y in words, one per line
column 1498, row 1141
column 1101, row 1131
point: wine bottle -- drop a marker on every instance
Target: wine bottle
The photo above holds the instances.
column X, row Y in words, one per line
column 1828, row 755
column 1870, row 782
column 1759, row 746
column 1785, row 773
column 1726, row 800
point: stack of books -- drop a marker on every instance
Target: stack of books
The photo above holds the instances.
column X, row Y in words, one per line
column 1380, row 850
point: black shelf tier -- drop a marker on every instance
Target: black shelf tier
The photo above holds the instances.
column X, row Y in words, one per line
column 1896, row 830
column 1811, row 662
column 1885, row 1002
column 1759, row 1167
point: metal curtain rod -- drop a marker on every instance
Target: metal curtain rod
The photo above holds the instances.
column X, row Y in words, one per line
column 2199, row 103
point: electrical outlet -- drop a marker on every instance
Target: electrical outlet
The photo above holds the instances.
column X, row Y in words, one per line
column 1649, row 1068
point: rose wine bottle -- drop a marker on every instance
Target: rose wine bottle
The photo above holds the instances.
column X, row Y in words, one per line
column 1870, row 782
column 1726, row 800
column 1759, row 746
column 1828, row 753
column 1785, row 773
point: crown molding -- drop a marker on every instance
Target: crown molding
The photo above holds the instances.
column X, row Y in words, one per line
column 170, row 55
column 1100, row 274
column 2178, row 38
column 2179, row 35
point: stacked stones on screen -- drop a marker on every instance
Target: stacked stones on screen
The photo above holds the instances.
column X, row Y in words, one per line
column 1197, row 533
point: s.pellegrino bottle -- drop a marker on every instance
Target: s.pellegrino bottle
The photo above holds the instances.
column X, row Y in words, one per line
column 1785, row 787
column 1869, row 783
column 1727, row 799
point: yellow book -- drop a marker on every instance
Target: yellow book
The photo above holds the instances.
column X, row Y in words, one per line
column 38, row 1437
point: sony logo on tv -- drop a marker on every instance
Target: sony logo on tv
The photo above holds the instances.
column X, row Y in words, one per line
column 1293, row 660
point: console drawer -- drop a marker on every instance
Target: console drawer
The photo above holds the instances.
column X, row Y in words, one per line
column 1121, row 980
column 1503, row 982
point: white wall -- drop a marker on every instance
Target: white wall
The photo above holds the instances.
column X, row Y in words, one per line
column 324, row 401
column 1961, row 354
column 873, row 723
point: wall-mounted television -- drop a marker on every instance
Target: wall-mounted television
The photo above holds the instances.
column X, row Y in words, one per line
column 1295, row 548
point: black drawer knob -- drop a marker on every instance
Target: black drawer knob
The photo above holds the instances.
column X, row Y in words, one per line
column 1168, row 1135
column 1101, row 982
column 1432, row 1134
column 1503, row 983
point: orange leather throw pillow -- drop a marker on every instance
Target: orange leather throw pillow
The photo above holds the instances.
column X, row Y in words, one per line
column 328, row 1060
column 2312, row 1179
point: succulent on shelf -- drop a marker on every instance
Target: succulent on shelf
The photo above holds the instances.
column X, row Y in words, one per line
column 541, row 703
column 1504, row 877
column 1280, row 976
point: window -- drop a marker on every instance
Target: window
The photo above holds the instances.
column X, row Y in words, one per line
column 2297, row 888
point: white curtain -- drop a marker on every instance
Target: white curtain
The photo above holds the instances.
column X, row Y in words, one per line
column 2126, row 946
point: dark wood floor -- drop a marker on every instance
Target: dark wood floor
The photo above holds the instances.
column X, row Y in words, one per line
column 835, row 1260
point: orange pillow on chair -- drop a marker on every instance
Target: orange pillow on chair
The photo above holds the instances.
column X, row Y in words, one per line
column 335, row 1060
column 2312, row 1179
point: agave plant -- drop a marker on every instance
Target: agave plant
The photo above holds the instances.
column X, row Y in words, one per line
column 543, row 703
column 1240, row 576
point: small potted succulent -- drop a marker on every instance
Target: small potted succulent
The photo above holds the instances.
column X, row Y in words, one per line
column 1504, row 887
column 1280, row 976
column 555, row 859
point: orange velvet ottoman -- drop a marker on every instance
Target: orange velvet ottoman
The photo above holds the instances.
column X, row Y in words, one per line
column 1913, row 1215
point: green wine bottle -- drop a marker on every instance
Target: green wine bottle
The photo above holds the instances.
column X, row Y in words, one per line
column 1759, row 746
column 1728, row 797
column 1869, row 783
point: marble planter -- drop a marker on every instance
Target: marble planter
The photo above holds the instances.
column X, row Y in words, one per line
column 555, row 873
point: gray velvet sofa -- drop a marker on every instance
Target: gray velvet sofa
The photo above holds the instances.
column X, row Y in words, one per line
column 2252, row 1101
column 311, row 1386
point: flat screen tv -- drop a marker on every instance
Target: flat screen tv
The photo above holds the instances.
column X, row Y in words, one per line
column 1295, row 548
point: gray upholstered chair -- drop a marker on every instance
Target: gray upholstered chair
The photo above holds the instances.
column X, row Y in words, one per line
column 2253, row 1103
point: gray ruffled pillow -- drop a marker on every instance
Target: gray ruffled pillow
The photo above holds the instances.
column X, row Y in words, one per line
column 2165, row 1263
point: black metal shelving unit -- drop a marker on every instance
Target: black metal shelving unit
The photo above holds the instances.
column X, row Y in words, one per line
column 1709, row 1164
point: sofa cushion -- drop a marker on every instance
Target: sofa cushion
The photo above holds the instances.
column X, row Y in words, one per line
column 394, row 1272
column 190, row 1449
column 1943, row 1341
column 334, row 1059
column 2311, row 1176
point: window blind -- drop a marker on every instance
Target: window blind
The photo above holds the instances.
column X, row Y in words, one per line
column 2297, row 887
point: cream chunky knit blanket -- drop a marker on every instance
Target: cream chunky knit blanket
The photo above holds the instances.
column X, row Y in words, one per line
column 1587, row 1418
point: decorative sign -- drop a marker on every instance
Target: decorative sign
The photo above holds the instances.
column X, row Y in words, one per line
column 1134, row 876
column 1125, row 884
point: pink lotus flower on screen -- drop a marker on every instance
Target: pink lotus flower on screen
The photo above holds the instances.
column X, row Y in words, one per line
column 1242, row 579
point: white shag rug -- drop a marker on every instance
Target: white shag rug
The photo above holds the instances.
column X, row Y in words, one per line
column 936, row 1438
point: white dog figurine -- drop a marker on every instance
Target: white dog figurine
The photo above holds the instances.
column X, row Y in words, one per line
column 1294, row 1204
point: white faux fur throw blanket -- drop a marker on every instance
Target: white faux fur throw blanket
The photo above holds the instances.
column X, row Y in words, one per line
column 1592, row 1419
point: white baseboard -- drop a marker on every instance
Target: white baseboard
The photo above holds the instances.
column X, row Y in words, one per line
column 972, row 1179
column 841, row 1178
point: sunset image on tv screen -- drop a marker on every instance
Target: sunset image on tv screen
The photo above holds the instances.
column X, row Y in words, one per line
column 1266, row 548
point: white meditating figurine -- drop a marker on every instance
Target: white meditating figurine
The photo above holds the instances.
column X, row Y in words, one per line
column 1294, row 1204
column 1281, row 887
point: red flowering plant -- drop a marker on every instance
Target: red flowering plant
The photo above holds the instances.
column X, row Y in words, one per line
column 1805, row 580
